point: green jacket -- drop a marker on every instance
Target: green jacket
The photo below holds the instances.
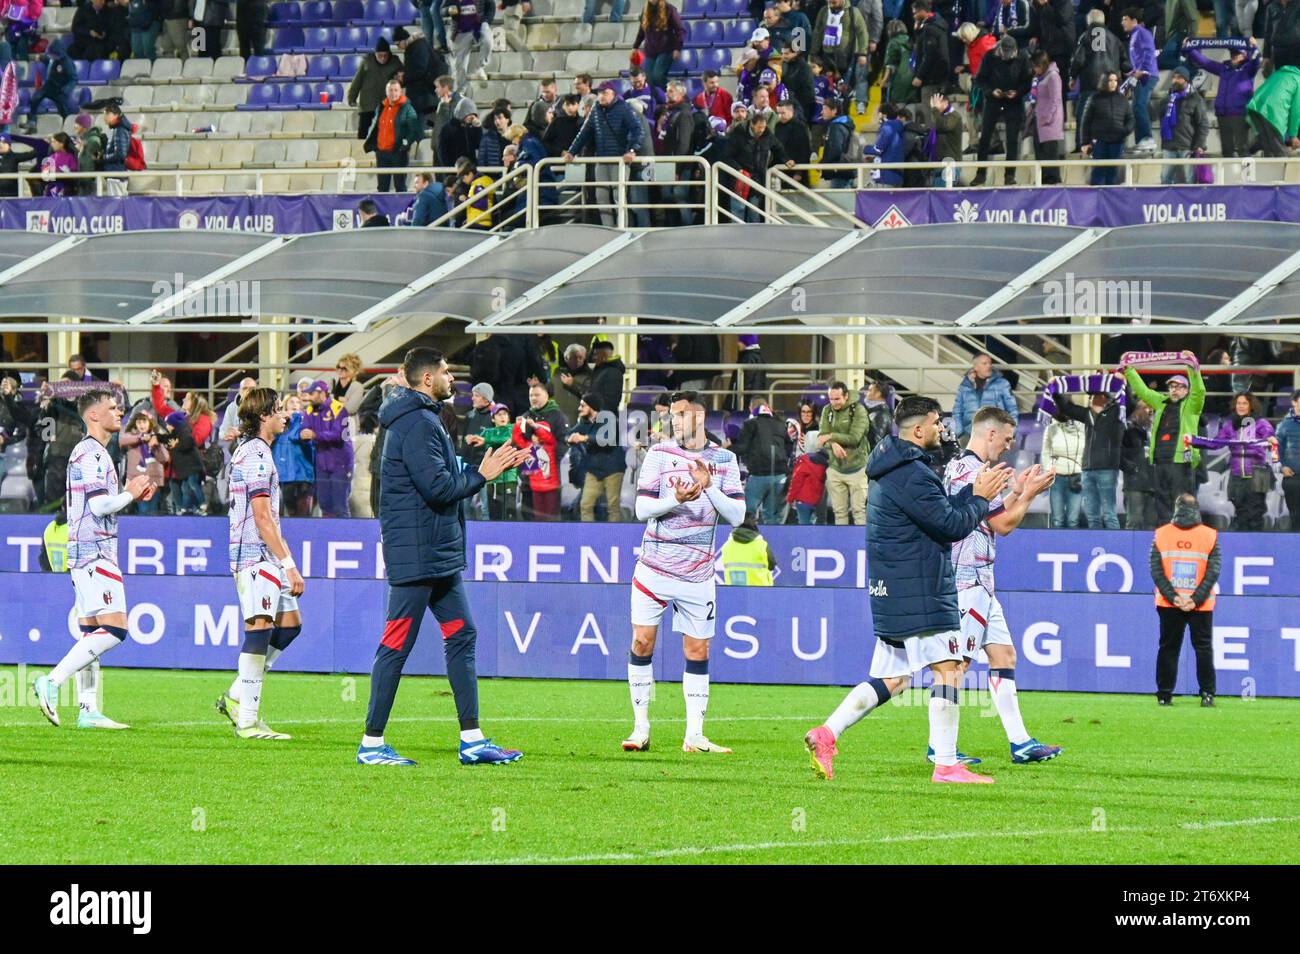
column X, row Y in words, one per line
column 848, row 428
column 1189, row 410
column 898, row 57
column 1278, row 101
column 407, row 129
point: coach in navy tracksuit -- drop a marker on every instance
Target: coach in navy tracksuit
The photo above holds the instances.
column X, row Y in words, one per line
column 422, row 525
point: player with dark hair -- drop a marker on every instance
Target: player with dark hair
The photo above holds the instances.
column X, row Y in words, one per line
column 983, row 624
column 686, row 484
column 422, row 524
column 911, row 526
column 266, row 577
column 93, row 502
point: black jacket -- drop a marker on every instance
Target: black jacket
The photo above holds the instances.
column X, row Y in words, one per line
column 9, row 163
column 1107, row 118
column 421, row 66
column 679, row 127
column 1006, row 75
column 797, row 78
column 14, row 420
column 794, row 139
column 1137, row 467
column 1193, row 125
column 455, row 140
column 1098, row 51
column 754, row 154
column 764, row 446
column 607, row 383
column 601, row 455
column 696, row 350
column 1104, row 435
column 1052, row 24
column 560, row 132
column 932, row 65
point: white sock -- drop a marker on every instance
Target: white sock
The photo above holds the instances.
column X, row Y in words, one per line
column 1002, row 684
column 252, row 669
column 861, row 699
column 472, row 735
column 88, row 688
column 372, row 741
column 272, row 654
column 944, row 716
column 695, row 687
column 87, row 649
column 641, row 683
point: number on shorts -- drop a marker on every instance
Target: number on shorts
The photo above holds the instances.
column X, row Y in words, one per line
column 710, row 605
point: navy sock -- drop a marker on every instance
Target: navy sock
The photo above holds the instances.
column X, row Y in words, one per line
column 697, row 667
column 282, row 636
column 882, row 691
column 1003, row 673
column 256, row 641
column 116, row 631
column 636, row 660
column 939, row 691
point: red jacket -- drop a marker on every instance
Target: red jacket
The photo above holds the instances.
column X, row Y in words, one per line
column 720, row 107
column 976, row 51
column 543, row 469
column 807, row 483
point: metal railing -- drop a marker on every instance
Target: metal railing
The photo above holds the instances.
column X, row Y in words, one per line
column 628, row 198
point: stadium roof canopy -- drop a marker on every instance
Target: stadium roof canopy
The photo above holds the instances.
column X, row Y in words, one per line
column 753, row 278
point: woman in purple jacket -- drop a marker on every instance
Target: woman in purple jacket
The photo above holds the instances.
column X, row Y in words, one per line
column 62, row 158
column 664, row 36
column 1236, row 86
column 1250, row 442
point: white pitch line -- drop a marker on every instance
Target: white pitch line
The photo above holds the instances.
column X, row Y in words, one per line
column 360, row 717
column 696, row 850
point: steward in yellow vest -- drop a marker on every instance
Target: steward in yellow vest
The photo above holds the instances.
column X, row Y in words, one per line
column 1185, row 562
column 56, row 543
column 746, row 558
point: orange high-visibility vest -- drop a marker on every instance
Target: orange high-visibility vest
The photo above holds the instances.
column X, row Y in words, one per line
column 1185, row 555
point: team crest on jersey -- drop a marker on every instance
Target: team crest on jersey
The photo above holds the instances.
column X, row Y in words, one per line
column 952, row 645
column 108, row 598
column 970, row 644
column 266, row 602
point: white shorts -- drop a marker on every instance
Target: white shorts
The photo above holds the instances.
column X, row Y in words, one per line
column 916, row 653
column 982, row 622
column 264, row 591
column 98, row 588
column 694, row 604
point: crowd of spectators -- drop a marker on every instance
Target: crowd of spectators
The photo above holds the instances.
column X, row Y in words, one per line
column 1152, row 432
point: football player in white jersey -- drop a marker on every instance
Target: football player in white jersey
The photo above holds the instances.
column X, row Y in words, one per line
column 685, row 485
column 983, row 625
column 266, row 576
column 93, row 502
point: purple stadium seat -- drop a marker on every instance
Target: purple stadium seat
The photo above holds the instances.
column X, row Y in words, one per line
column 349, row 11
column 323, row 67
column 688, row 62
column 352, row 38
column 296, row 94
column 83, row 70
column 406, row 12
column 24, row 100
column 717, row 58
column 737, row 32
column 378, row 11
column 84, row 95
column 373, row 33
column 694, row 87
column 317, row 39
column 104, row 71
column 259, row 67
column 704, row 33
column 318, row 12
column 335, row 91
column 263, row 96
column 348, row 66
column 729, row 8
column 26, row 71
column 695, row 9
column 283, row 13
column 286, row 39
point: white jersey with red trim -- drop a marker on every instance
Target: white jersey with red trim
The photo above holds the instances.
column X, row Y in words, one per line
column 680, row 543
column 91, row 474
column 252, row 475
column 972, row 558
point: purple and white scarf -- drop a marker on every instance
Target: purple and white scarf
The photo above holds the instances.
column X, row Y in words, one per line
column 1106, row 382
column 1235, row 43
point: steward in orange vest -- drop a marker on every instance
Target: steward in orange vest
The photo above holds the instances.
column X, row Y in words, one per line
column 1185, row 563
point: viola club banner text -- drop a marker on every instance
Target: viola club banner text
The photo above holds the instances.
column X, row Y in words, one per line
column 1108, row 207
column 1102, row 643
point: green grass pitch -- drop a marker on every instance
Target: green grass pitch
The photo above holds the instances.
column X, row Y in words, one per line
column 1137, row 783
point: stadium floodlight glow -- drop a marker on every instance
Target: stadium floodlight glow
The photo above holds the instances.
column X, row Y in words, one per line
column 784, row 282
column 560, row 278
column 174, row 303
column 1027, row 279
column 375, row 312
column 1257, row 290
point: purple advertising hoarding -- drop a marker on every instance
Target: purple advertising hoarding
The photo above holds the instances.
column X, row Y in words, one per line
column 1078, row 561
column 1097, row 643
column 554, row 603
column 1079, row 206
